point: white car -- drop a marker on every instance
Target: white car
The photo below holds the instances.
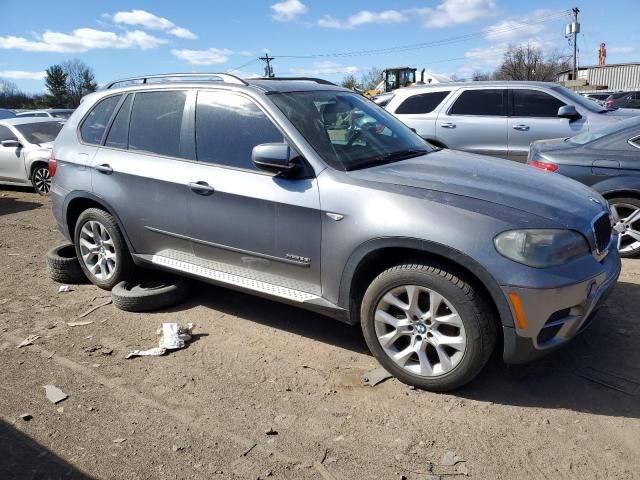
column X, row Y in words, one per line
column 25, row 148
column 62, row 113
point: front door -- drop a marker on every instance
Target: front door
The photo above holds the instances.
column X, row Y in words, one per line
column 250, row 228
column 476, row 122
column 534, row 116
column 11, row 159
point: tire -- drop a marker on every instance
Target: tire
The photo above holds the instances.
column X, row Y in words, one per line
column 462, row 321
column 628, row 246
column 152, row 293
column 63, row 265
column 41, row 179
column 110, row 250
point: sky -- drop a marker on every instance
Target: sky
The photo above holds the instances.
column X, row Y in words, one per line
column 324, row 38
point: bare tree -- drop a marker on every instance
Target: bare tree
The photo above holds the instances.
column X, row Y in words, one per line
column 371, row 79
column 349, row 81
column 479, row 76
column 527, row 62
column 80, row 80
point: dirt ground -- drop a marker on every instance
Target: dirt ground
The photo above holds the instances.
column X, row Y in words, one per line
column 270, row 391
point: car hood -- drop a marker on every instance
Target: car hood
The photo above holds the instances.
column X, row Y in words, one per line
column 503, row 182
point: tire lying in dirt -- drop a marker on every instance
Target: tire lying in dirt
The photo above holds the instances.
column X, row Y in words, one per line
column 150, row 293
column 63, row 265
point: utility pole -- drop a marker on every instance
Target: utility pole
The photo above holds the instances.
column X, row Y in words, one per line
column 575, row 29
column 268, row 70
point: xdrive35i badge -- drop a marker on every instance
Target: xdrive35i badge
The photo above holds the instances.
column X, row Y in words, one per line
column 298, row 258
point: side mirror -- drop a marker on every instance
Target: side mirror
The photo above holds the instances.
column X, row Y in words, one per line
column 11, row 144
column 568, row 111
column 273, row 157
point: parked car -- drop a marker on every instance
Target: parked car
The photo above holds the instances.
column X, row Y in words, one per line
column 608, row 160
column 25, row 147
column 597, row 97
column 497, row 118
column 310, row 194
column 4, row 113
column 51, row 113
column 623, row 100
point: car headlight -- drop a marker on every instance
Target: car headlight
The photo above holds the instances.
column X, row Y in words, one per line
column 541, row 247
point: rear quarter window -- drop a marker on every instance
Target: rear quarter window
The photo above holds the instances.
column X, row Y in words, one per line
column 94, row 124
column 422, row 103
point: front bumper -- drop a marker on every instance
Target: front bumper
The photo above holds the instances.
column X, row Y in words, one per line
column 555, row 316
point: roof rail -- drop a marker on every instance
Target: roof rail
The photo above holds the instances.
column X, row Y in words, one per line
column 321, row 81
column 221, row 77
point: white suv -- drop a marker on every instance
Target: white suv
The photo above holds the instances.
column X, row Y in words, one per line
column 496, row 118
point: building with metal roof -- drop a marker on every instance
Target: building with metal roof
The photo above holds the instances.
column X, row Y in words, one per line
column 614, row 77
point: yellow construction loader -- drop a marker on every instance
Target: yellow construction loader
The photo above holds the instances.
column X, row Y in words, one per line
column 393, row 78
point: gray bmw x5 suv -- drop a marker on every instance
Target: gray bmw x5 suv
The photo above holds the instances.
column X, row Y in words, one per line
column 310, row 194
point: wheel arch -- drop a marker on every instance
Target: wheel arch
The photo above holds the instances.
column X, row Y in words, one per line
column 375, row 256
column 79, row 201
column 621, row 192
column 35, row 163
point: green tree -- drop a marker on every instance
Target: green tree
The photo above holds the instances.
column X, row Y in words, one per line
column 56, row 83
column 88, row 82
column 349, row 82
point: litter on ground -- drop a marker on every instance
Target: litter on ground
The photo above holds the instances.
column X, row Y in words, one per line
column 172, row 337
column 28, row 341
column 54, row 394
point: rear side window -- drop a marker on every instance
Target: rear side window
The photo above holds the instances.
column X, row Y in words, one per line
column 423, row 103
column 532, row 103
column 480, row 102
column 228, row 126
column 156, row 122
column 118, row 133
column 94, row 125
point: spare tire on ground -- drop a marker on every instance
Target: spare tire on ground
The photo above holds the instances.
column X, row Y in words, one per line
column 152, row 291
column 63, row 265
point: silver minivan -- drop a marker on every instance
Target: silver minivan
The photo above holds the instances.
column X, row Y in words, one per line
column 496, row 118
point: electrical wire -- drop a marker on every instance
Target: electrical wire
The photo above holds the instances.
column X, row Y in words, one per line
column 243, row 65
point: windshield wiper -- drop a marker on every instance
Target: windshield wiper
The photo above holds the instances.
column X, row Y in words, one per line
column 388, row 158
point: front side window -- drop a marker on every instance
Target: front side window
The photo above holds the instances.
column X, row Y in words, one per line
column 94, row 125
column 423, row 103
column 533, row 103
column 489, row 102
column 156, row 122
column 6, row 134
column 228, row 126
column 347, row 130
column 40, row 132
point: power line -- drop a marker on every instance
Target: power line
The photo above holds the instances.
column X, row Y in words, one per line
column 434, row 43
column 243, row 65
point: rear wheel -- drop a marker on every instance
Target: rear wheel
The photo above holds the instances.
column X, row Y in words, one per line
column 427, row 326
column 627, row 210
column 41, row 179
column 101, row 249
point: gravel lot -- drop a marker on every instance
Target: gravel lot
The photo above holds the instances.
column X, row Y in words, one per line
column 257, row 366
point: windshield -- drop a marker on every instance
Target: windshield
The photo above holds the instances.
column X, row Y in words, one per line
column 40, row 132
column 588, row 137
column 62, row 114
column 349, row 131
column 578, row 100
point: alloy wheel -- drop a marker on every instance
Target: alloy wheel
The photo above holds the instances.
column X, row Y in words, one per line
column 42, row 179
column 97, row 250
column 420, row 330
column 628, row 227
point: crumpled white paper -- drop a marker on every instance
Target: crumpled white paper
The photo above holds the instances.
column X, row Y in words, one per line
column 172, row 337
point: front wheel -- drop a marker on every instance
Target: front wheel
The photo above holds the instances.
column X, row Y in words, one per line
column 101, row 249
column 41, row 179
column 427, row 326
column 627, row 210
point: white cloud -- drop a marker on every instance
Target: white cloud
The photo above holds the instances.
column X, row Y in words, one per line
column 363, row 17
column 150, row 21
column 288, row 10
column 456, row 12
column 22, row 75
column 211, row 56
column 81, row 40
column 324, row 68
column 621, row 50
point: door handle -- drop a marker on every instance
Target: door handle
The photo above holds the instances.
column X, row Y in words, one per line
column 201, row 188
column 521, row 127
column 448, row 125
column 104, row 168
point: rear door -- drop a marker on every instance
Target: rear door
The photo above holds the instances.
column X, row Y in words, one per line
column 249, row 227
column 142, row 170
column 476, row 122
column 534, row 116
column 11, row 158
